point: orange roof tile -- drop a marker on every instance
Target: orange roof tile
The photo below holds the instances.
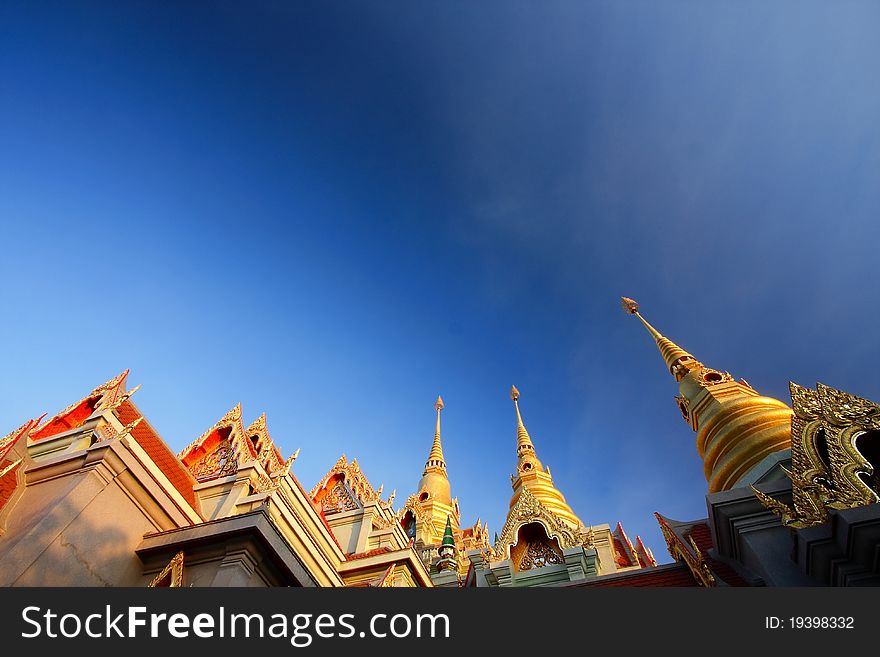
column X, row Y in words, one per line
column 179, row 476
column 677, row 575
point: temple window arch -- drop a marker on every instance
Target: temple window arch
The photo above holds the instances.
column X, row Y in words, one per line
column 534, row 548
column 408, row 522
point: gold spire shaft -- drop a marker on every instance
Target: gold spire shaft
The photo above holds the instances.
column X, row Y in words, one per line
column 523, row 440
column 736, row 427
column 532, row 475
column 434, row 492
column 669, row 351
column 435, row 458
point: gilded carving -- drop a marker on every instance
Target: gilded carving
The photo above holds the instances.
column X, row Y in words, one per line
column 108, row 393
column 220, row 462
column 338, row 499
column 706, row 376
column 683, row 405
column 232, row 449
column 108, row 432
column 171, row 575
column 539, row 554
column 526, row 510
column 690, row 554
column 827, row 469
column 231, row 419
column 121, row 399
column 388, row 578
column 355, row 480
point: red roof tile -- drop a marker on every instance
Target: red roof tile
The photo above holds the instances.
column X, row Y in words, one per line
column 8, row 482
column 159, row 453
column 369, row 553
column 677, row 574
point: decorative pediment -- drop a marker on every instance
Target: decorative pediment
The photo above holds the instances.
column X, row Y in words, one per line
column 267, row 453
column 418, row 510
column 387, row 578
column 75, row 415
column 528, row 509
column 220, row 450
column 828, row 470
column 336, row 496
column 172, row 575
column 355, row 483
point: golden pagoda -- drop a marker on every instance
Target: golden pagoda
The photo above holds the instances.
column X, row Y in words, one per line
column 429, row 515
column 531, row 474
column 737, row 428
column 425, row 513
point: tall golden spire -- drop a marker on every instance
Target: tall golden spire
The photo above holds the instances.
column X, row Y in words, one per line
column 435, row 458
column 737, row 428
column 434, row 481
column 525, row 450
column 531, row 474
column 670, row 351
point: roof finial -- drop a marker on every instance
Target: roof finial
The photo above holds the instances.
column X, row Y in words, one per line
column 670, row 351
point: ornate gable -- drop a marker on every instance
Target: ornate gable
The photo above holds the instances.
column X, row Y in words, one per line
column 221, row 450
column 831, row 433
column 74, row 416
column 624, row 551
column 528, row 509
column 645, row 555
column 268, row 454
column 346, row 484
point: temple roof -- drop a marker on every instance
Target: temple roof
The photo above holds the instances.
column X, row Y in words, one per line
column 77, row 413
column 691, row 542
column 150, row 441
column 666, row 575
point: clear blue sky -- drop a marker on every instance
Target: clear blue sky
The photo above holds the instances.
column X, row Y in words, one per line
column 332, row 212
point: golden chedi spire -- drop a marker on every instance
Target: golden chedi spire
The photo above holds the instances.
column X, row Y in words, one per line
column 675, row 357
column 435, row 458
column 736, row 427
column 434, row 481
column 531, row 474
column 525, row 450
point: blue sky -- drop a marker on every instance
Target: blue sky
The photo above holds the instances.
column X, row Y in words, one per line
column 334, row 212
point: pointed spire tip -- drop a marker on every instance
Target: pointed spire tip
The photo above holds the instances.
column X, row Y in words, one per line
column 438, row 405
column 631, row 306
column 514, row 393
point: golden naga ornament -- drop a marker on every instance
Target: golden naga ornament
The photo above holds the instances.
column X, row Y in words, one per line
column 689, row 552
column 830, row 430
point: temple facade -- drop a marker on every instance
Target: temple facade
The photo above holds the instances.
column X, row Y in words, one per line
column 93, row 496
